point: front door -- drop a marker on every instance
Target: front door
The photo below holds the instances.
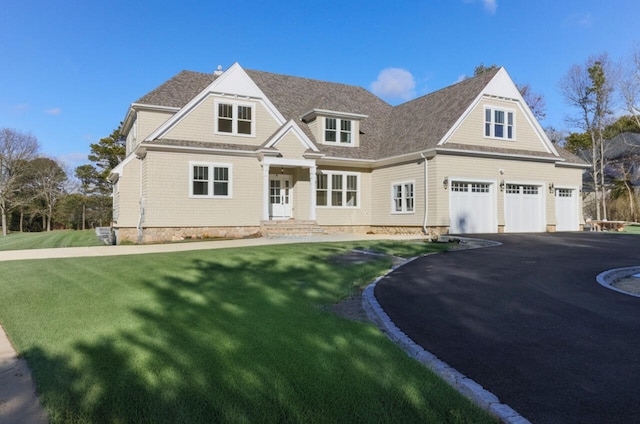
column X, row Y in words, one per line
column 280, row 194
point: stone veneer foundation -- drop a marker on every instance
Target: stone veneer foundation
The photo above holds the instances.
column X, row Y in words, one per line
column 168, row 234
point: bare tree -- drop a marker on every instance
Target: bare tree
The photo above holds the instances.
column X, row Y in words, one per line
column 589, row 89
column 16, row 149
column 629, row 84
column 535, row 101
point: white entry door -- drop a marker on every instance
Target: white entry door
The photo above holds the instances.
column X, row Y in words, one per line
column 567, row 218
column 280, row 196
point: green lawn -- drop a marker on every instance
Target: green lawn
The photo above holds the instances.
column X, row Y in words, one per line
column 230, row 335
column 59, row 238
column 632, row 229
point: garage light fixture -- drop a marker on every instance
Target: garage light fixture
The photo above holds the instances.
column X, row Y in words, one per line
column 445, row 182
column 551, row 188
column 501, row 185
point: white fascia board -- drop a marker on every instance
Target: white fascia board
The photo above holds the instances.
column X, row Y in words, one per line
column 497, row 155
column 336, row 161
column 233, row 82
column 332, row 113
column 460, row 120
column 277, row 161
column 291, row 126
column 191, row 149
column 130, row 117
column 418, row 155
column 573, row 165
column 119, row 168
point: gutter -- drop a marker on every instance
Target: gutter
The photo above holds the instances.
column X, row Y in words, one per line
column 426, row 195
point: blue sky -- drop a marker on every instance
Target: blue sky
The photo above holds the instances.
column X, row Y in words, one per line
column 69, row 70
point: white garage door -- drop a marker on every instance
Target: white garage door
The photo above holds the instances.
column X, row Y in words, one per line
column 524, row 209
column 567, row 217
column 472, row 208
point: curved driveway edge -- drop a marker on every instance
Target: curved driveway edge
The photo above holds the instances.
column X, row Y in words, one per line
column 466, row 386
column 608, row 278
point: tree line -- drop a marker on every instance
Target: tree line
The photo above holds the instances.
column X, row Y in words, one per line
column 37, row 193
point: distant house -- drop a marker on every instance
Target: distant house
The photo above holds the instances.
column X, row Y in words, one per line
column 239, row 152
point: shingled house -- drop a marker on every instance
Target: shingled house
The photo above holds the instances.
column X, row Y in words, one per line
column 241, row 152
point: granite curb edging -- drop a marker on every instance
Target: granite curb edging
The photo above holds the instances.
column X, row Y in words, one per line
column 607, row 278
column 466, row 386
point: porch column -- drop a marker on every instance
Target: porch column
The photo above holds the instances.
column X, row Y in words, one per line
column 265, row 191
column 312, row 190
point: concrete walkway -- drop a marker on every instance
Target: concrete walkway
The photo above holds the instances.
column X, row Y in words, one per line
column 94, row 251
column 18, row 400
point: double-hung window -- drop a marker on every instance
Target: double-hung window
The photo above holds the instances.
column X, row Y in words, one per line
column 499, row 123
column 210, row 180
column 338, row 131
column 337, row 189
column 234, row 118
column 403, row 197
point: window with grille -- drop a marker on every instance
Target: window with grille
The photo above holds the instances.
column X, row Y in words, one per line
column 234, row 119
column 499, row 123
column 338, row 131
column 210, row 180
column 337, row 189
column 459, row 186
column 403, row 197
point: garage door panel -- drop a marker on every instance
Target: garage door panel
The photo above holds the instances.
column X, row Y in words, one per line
column 472, row 208
column 524, row 209
column 566, row 206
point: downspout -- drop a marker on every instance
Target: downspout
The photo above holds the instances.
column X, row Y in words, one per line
column 426, row 195
column 141, row 217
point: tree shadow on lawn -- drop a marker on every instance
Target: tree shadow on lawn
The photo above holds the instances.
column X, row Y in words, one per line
column 218, row 345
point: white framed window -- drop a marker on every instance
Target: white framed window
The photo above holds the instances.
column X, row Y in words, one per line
column 338, row 189
column 234, row 118
column 210, row 180
column 522, row 189
column 499, row 123
column 402, row 197
column 564, row 192
column 338, row 131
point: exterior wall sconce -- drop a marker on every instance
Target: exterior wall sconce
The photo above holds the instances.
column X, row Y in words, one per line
column 501, row 185
column 445, row 182
column 551, row 188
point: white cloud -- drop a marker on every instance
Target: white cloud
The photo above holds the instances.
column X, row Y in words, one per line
column 394, row 83
column 53, row 111
column 490, row 6
column 73, row 160
column 581, row 20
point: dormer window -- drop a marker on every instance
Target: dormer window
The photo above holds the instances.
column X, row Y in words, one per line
column 234, row 118
column 337, row 131
column 499, row 123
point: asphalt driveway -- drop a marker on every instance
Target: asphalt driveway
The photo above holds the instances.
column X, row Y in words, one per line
column 528, row 321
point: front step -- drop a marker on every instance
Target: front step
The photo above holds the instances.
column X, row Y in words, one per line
column 290, row 228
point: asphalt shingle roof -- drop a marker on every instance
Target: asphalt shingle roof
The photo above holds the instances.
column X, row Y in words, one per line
column 387, row 131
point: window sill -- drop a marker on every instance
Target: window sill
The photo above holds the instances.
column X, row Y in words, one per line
column 234, row 134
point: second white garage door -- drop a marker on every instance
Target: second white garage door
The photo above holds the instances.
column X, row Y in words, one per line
column 524, row 209
column 472, row 207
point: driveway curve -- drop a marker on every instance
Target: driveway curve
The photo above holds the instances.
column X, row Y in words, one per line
column 528, row 321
